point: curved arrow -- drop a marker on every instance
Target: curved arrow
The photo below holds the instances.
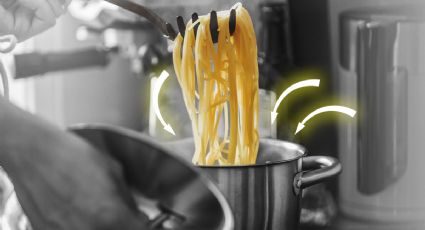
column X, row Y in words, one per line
column 332, row 108
column 158, row 84
column 298, row 85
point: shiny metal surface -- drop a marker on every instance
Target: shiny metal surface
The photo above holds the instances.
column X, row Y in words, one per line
column 381, row 82
column 165, row 27
column 382, row 73
column 169, row 190
column 267, row 195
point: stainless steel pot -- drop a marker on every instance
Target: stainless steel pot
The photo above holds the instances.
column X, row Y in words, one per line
column 171, row 192
column 267, row 195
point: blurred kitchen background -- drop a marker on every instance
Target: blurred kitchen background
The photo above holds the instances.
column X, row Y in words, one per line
column 97, row 64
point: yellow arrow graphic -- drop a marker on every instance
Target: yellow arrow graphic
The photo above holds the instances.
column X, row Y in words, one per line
column 332, row 108
column 298, row 85
column 158, row 84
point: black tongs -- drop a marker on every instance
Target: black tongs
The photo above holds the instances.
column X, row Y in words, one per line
column 213, row 24
column 166, row 28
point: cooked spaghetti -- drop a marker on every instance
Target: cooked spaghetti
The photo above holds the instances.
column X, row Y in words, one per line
column 220, row 85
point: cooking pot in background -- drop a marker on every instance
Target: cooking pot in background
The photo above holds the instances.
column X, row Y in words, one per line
column 172, row 193
column 169, row 191
column 382, row 73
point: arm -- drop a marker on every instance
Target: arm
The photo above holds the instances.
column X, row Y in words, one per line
column 61, row 181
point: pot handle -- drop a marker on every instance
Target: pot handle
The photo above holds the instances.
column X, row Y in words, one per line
column 316, row 169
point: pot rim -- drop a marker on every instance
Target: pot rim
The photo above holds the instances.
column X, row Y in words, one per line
column 276, row 142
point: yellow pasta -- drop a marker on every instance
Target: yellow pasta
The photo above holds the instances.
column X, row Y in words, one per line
column 220, row 86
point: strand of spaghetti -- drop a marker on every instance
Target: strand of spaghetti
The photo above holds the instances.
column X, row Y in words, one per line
column 220, row 85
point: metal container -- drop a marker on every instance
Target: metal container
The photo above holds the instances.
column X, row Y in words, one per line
column 382, row 73
column 170, row 191
column 267, row 195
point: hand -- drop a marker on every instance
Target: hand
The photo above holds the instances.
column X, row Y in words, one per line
column 26, row 18
column 62, row 182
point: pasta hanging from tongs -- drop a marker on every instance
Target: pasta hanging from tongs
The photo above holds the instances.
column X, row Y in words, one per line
column 219, row 82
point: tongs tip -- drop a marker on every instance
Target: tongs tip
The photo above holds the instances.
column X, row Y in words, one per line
column 214, row 26
column 181, row 26
column 194, row 19
column 232, row 21
column 171, row 33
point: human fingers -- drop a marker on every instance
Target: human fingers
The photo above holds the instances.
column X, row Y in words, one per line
column 7, row 3
column 37, row 27
column 7, row 21
column 41, row 9
column 67, row 2
column 58, row 6
column 40, row 17
column 22, row 23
